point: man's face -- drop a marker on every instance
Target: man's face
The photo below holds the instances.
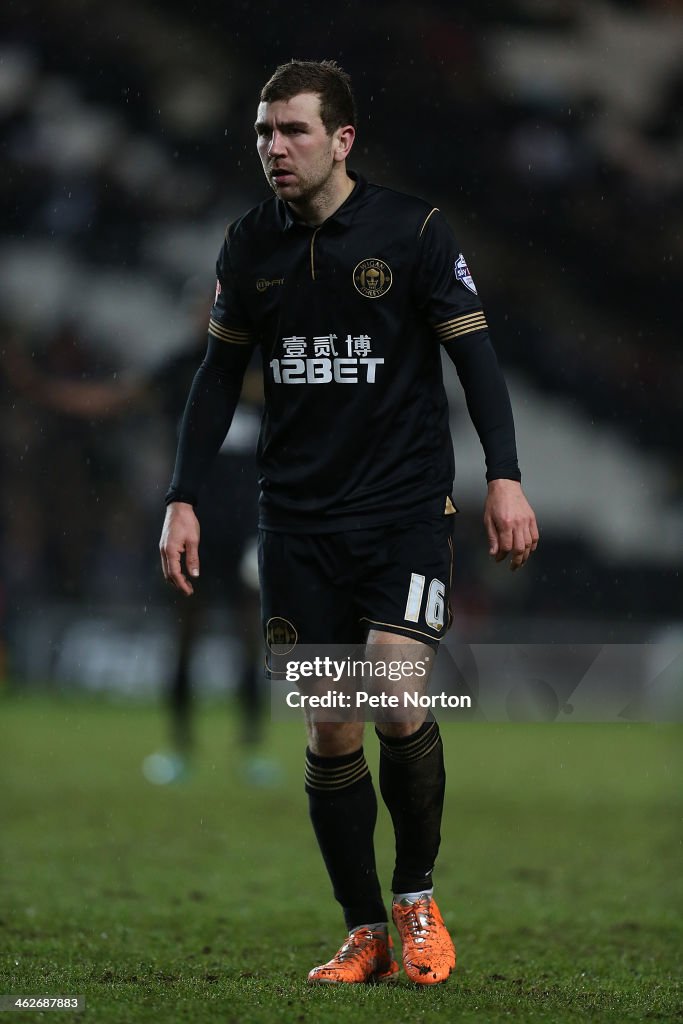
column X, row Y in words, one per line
column 297, row 154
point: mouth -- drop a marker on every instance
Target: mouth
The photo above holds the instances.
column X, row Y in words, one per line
column 281, row 177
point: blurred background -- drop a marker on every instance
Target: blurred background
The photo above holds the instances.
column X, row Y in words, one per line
column 550, row 132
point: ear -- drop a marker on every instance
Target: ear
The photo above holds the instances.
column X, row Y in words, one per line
column 343, row 141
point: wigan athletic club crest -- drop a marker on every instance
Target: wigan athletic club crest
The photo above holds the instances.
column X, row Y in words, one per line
column 372, row 278
column 462, row 272
column 281, row 635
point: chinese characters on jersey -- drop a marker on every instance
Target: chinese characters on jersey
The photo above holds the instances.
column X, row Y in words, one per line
column 324, row 359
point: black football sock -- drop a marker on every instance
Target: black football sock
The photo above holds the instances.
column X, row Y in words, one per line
column 412, row 781
column 343, row 809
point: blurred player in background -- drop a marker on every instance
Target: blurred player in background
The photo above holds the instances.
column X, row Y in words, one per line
column 228, row 510
column 76, row 399
column 350, row 290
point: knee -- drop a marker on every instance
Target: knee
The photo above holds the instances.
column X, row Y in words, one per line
column 332, row 739
column 399, row 730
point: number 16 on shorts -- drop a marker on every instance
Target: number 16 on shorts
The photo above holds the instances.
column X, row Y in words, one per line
column 435, row 608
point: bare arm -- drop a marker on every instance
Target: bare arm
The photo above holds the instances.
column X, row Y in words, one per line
column 80, row 398
column 95, row 399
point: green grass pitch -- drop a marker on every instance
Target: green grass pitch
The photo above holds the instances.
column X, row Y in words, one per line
column 559, row 876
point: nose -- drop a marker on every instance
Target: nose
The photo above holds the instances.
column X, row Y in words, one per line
column 276, row 146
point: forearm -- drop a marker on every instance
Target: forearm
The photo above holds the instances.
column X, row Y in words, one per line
column 90, row 399
column 488, row 403
column 208, row 414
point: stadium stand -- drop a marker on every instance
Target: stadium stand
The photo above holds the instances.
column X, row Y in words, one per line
column 549, row 131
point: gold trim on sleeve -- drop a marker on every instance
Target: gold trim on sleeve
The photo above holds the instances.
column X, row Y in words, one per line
column 461, row 325
column 232, row 335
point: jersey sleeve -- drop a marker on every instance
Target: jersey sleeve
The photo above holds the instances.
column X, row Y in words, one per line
column 445, row 289
column 448, row 296
column 216, row 387
column 228, row 321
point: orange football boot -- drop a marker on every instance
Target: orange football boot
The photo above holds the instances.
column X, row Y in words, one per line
column 428, row 951
column 367, row 956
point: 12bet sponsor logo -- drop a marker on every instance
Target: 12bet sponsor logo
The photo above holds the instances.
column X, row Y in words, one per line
column 321, row 360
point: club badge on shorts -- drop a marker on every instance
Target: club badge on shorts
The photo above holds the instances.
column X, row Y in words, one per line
column 462, row 273
column 281, row 635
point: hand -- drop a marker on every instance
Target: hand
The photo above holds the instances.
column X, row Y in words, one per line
column 510, row 523
column 180, row 535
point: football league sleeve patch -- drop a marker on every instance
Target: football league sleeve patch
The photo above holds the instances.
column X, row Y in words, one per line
column 446, row 289
column 462, row 273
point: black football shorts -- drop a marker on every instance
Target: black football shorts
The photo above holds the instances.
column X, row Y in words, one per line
column 332, row 588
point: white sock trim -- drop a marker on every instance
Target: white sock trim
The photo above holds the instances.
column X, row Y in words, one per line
column 375, row 926
column 411, row 897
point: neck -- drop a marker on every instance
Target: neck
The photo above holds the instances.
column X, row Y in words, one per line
column 317, row 208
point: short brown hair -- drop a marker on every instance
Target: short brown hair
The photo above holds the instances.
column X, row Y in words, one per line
column 324, row 78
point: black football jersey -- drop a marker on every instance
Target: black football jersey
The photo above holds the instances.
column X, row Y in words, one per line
column 349, row 317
